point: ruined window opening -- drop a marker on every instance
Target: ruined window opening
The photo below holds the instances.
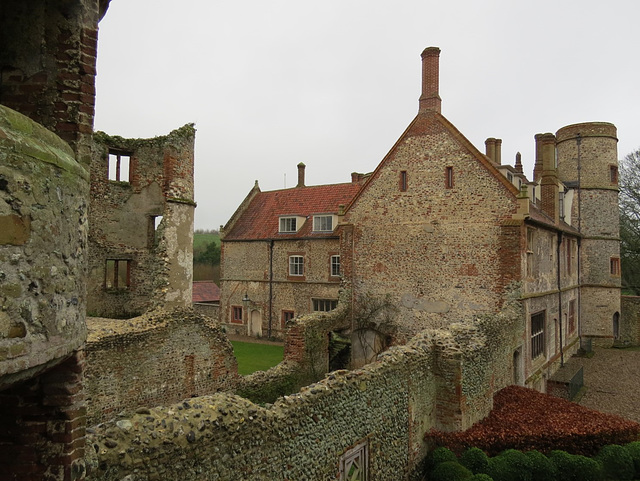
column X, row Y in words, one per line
column 403, row 181
column 152, row 232
column 324, row 305
column 119, row 164
column 335, row 266
column 236, row 314
column 288, row 224
column 572, row 315
column 614, row 266
column 613, row 174
column 287, row 316
column 616, row 326
column 449, row 178
column 118, row 274
column 354, row 464
column 537, row 334
column 296, row 265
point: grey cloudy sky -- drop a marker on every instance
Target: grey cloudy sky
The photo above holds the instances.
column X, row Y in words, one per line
column 334, row 83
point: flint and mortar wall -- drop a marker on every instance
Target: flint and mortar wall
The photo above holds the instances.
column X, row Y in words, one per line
column 156, row 359
column 442, row 380
column 43, row 236
column 42, row 253
column 435, row 249
column 246, row 271
column 630, row 321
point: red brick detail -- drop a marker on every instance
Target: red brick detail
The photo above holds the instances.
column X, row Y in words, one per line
column 42, row 425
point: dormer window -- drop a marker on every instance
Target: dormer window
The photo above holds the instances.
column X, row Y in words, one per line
column 288, row 224
column 322, row 223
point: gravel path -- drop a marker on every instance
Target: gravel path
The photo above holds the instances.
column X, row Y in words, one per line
column 612, row 378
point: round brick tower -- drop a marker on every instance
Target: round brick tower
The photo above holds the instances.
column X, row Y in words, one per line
column 588, row 162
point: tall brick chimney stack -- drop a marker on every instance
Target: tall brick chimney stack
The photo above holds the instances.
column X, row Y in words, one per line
column 430, row 98
column 490, row 148
column 518, row 165
column 301, row 167
column 549, row 190
column 498, row 155
column 537, row 167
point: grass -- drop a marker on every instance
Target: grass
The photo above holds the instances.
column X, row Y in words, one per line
column 202, row 240
column 254, row 357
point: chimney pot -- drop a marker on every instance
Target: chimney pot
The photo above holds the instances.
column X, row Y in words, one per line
column 430, row 98
column 498, row 155
column 301, row 167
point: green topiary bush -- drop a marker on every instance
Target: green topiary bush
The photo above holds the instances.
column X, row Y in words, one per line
column 438, row 456
column 542, row 469
column 481, row 477
column 450, row 471
column 634, row 451
column 510, row 465
column 616, row 462
column 575, row 467
column 475, row 460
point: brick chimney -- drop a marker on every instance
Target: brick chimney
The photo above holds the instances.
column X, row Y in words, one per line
column 301, row 167
column 498, row 156
column 430, row 98
column 518, row 165
column 549, row 178
column 490, row 148
column 537, row 167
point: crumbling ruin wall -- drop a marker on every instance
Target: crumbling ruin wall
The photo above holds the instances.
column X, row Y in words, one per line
column 48, row 65
column 442, row 379
column 141, row 218
column 156, row 359
column 43, row 234
column 41, row 251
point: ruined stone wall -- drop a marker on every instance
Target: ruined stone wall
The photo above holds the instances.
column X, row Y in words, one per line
column 630, row 321
column 435, row 249
column 43, row 236
column 442, row 380
column 42, row 253
column 208, row 310
column 157, row 359
column 246, row 271
column 144, row 221
column 48, row 60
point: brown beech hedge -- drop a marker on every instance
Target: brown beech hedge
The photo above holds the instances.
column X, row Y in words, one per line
column 525, row 419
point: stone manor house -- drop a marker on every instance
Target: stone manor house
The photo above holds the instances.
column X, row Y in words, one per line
column 446, row 232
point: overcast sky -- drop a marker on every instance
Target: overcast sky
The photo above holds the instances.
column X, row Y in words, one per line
column 334, row 83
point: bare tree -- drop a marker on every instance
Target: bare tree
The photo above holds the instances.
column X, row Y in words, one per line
column 629, row 184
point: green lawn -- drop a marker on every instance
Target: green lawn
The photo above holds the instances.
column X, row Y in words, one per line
column 256, row 357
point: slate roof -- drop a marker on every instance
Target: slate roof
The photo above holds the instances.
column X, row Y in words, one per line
column 261, row 221
column 205, row 291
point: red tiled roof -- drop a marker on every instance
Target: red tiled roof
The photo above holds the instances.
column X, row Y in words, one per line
column 261, row 218
column 205, row 291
